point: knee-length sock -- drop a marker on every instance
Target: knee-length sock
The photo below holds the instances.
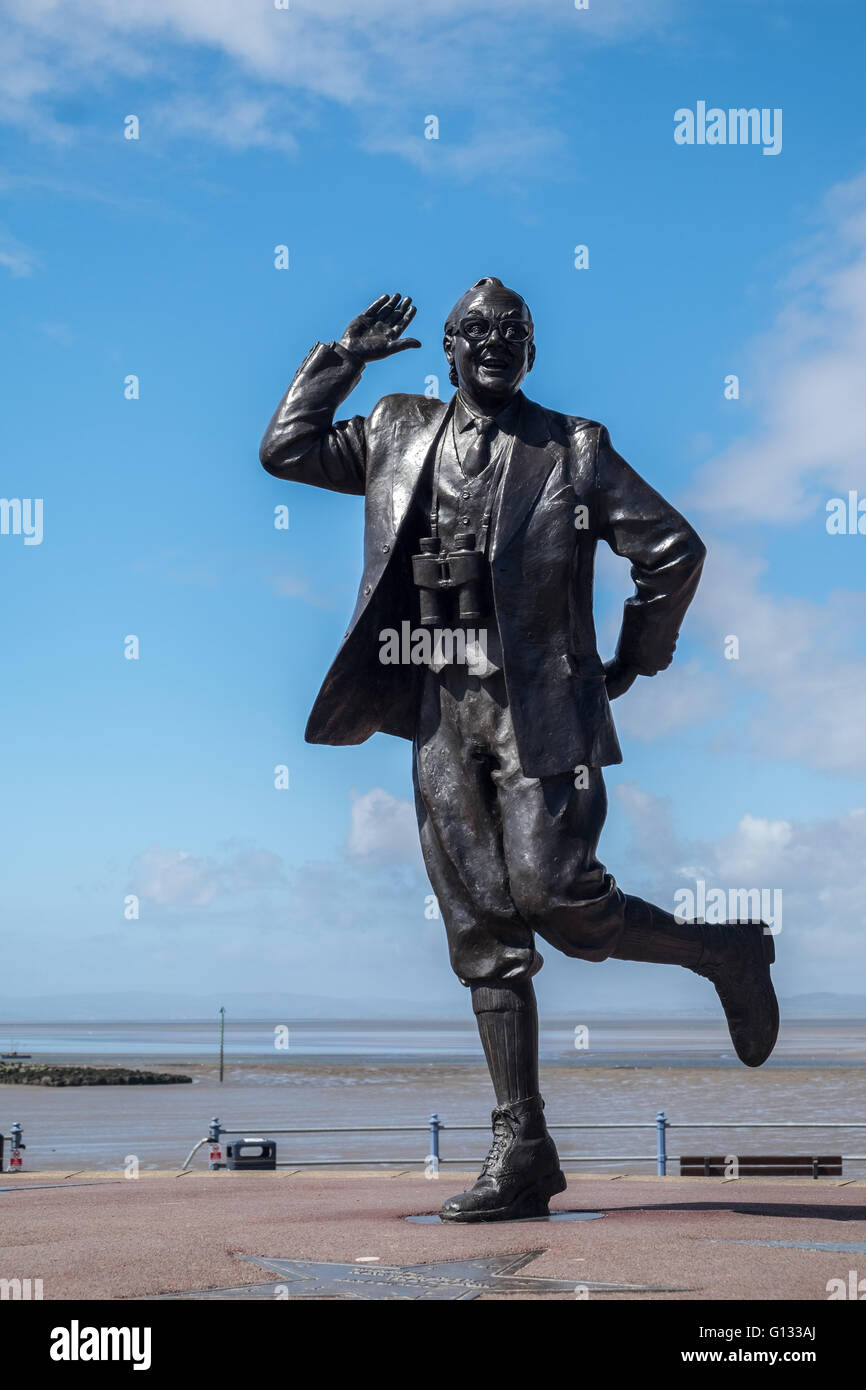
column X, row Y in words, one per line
column 508, row 1026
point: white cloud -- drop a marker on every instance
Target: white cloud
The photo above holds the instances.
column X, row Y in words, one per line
column 800, row 657
column 240, row 122
column 354, row 923
column 796, row 653
column 290, row 585
column 383, row 830
column 650, row 824
column 819, row 866
column 175, row 878
column 380, row 58
column 507, row 145
column 806, row 377
column 683, row 696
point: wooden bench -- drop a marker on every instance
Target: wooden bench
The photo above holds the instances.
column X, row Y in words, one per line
column 761, row 1166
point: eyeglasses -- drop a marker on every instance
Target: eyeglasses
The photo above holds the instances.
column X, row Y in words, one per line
column 477, row 328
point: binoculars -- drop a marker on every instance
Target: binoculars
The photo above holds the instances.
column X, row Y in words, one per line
column 437, row 575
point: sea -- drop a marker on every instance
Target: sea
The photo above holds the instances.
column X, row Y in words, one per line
column 361, row 1092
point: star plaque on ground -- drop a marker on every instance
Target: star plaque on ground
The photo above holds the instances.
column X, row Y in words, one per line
column 439, row 1280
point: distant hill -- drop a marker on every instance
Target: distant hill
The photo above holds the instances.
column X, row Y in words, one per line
column 145, row 1006
column 825, row 1006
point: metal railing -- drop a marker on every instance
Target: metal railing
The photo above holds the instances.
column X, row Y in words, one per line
column 433, row 1159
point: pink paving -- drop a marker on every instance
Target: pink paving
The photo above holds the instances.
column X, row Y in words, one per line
column 98, row 1235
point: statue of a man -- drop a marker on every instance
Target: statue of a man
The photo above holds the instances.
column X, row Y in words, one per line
column 483, row 514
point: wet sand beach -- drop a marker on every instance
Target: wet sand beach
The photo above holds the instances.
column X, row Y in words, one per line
column 366, row 1074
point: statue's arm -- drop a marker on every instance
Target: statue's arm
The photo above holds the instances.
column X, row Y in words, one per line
column 303, row 442
column 666, row 556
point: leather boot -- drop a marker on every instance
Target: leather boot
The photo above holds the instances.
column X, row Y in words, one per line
column 520, row 1173
column 737, row 957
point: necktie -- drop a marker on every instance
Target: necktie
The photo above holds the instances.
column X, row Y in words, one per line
column 478, row 453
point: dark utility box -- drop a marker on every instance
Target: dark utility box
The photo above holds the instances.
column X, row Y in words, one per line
column 251, row 1153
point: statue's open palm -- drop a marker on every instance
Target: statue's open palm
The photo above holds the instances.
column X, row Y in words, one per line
column 376, row 332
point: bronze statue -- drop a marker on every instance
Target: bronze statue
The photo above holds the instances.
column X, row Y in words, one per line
column 484, row 513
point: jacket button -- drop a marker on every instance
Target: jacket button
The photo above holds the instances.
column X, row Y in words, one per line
column 345, row 635
column 385, row 549
column 367, row 590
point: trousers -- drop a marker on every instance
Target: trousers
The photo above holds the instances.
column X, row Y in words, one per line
column 509, row 857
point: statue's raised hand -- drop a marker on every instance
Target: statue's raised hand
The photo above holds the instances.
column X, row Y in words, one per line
column 376, row 332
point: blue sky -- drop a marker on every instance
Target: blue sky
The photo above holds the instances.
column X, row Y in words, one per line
column 155, row 257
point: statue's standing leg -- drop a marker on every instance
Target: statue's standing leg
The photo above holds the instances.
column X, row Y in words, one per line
column 492, row 948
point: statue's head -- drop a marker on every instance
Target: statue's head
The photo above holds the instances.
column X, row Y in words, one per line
column 489, row 341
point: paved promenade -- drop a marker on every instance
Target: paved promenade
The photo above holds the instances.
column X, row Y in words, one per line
column 100, row 1235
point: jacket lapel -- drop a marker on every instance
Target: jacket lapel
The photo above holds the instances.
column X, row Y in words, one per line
column 529, row 464
column 410, row 456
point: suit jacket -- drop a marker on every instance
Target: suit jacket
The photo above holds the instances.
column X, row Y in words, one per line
column 541, row 562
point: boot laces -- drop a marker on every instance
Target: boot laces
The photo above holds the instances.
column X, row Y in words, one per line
column 503, row 1132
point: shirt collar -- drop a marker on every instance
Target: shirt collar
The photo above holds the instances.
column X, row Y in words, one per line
column 506, row 420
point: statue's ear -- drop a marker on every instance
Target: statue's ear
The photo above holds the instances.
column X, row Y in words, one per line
column 448, row 349
column 531, row 357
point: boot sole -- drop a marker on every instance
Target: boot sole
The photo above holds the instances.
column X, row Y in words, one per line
column 532, row 1201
